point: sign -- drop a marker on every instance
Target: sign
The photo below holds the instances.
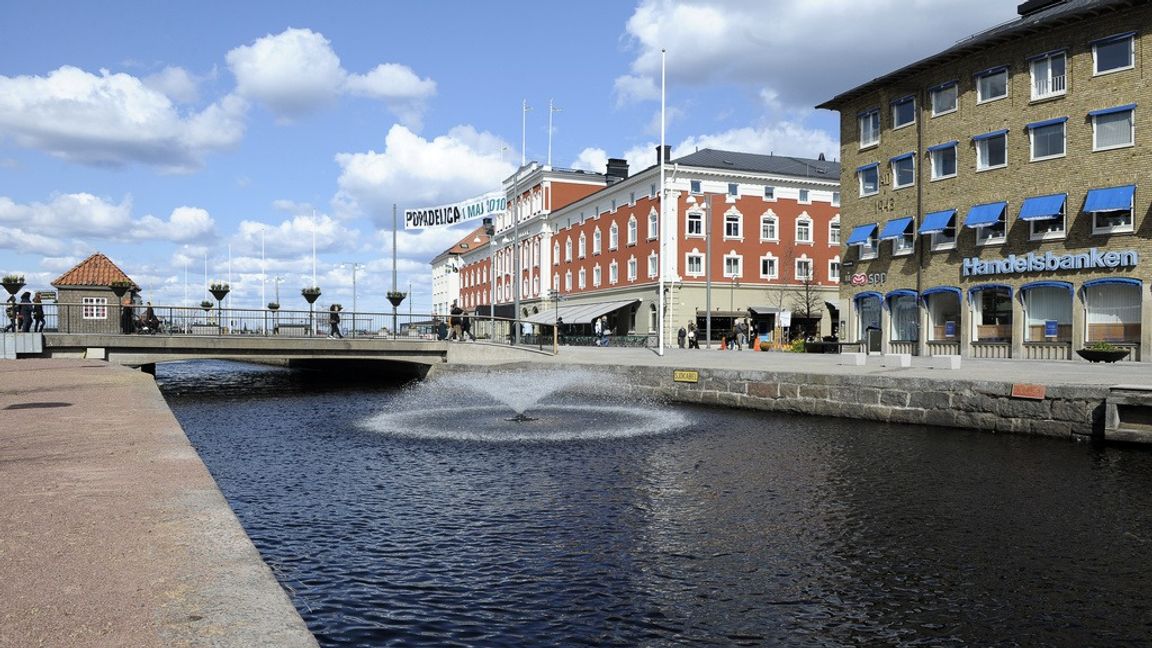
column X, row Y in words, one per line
column 1050, row 328
column 1030, row 392
column 46, row 295
column 1093, row 259
column 485, row 206
column 785, row 318
column 950, row 329
column 862, row 279
column 685, row 375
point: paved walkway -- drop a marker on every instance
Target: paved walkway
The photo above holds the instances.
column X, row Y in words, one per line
column 112, row 531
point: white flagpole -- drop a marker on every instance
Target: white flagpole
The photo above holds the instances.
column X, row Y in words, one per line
column 660, row 314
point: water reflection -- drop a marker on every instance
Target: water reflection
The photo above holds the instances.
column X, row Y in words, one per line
column 726, row 528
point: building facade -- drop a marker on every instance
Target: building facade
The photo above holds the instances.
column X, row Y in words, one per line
column 996, row 195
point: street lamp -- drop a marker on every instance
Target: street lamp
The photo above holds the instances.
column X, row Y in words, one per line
column 731, row 291
column 707, row 204
column 355, row 267
column 556, row 297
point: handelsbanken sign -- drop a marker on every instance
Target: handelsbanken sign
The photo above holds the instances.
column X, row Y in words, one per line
column 484, row 206
column 1093, row 259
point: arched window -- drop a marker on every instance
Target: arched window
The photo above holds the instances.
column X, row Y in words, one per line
column 769, row 227
column 596, row 241
column 1047, row 311
column 653, row 224
column 556, row 253
column 632, row 230
column 596, row 276
column 1112, row 307
column 904, row 315
column 568, row 249
column 583, row 250
column 868, row 313
column 613, row 237
column 803, row 228
column 992, row 307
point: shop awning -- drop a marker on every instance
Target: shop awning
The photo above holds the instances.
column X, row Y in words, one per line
column 579, row 313
column 861, row 234
column 1110, row 199
column 984, row 215
column 896, row 228
column 1042, row 207
column 764, row 310
column 937, row 222
column 719, row 314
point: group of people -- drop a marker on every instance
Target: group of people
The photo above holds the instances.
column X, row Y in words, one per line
column 602, row 331
column 458, row 327
column 148, row 322
column 26, row 315
column 737, row 336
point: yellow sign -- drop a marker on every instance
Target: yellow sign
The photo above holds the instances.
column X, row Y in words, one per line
column 685, row 375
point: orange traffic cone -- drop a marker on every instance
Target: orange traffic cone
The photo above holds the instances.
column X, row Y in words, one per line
column 756, row 343
column 723, row 343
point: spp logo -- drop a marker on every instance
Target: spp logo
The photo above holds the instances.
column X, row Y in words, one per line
column 859, row 279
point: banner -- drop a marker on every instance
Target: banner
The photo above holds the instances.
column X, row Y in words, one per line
column 486, row 206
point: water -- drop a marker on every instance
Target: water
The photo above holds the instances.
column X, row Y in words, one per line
column 452, row 527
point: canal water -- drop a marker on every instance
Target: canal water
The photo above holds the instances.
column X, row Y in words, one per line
column 420, row 516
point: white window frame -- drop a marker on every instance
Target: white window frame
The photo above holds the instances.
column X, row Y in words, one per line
column 582, row 282
column 805, row 197
column 568, row 281
column 1054, row 228
column 834, row 269
column 653, row 225
column 694, row 187
column 834, row 231
column 1131, row 130
column 938, row 159
column 900, row 103
column 613, row 236
column 1044, row 83
column 866, row 127
column 632, row 269
column 582, row 246
column 556, row 253
column 941, row 241
column 980, row 98
column 835, row 198
column 982, row 153
column 770, row 193
column 733, row 265
column 1122, row 227
column 871, row 248
column 94, row 308
column 556, row 282
column 733, row 226
column 596, row 276
column 986, row 235
column 769, row 220
column 691, row 258
column 938, row 91
column 568, row 250
column 1112, row 40
column 904, row 245
column 653, row 266
column 597, row 240
column 613, row 273
column 895, row 173
column 734, row 189
column 694, row 224
column 1032, row 142
column 806, row 221
column 633, row 230
column 806, row 263
column 874, row 168
column 773, row 269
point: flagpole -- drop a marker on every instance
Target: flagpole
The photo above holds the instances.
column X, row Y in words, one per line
column 660, row 314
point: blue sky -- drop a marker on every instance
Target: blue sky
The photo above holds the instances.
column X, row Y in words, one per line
column 164, row 134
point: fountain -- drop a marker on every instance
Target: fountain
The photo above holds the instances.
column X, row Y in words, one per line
column 555, row 405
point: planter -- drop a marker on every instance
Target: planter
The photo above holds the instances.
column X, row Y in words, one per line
column 219, row 293
column 273, row 306
column 13, row 287
column 119, row 289
column 1095, row 355
column 395, row 297
column 311, row 294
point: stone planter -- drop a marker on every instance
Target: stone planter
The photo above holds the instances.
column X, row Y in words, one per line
column 1097, row 355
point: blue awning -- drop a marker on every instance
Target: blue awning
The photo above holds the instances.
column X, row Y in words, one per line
column 995, row 70
column 984, row 215
column 903, row 156
column 1113, row 280
column 1110, row 199
column 1109, row 111
column 942, row 289
column 1042, row 207
column 975, row 289
column 941, row 147
column 868, row 294
column 1047, row 284
column 896, row 228
column 861, row 234
column 937, row 222
column 900, row 292
column 1111, row 39
column 1046, row 122
column 865, row 167
column 941, row 86
column 984, row 136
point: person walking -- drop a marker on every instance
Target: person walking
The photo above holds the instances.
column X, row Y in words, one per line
column 741, row 333
column 454, row 321
column 681, row 336
column 25, row 314
column 466, row 326
column 598, row 332
column 334, row 321
column 10, row 312
column 127, row 320
column 37, row 314
column 693, row 342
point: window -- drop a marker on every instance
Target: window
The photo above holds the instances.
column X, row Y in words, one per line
column 803, row 229
column 943, row 99
column 694, row 264
column 992, row 85
column 583, row 279
column 992, row 151
column 555, row 283
column 568, row 281
column 869, row 179
column 583, row 247
column 834, row 270
column 631, row 230
column 613, row 273
column 653, row 265
column 803, row 269
column 769, row 268
column 733, row 189
column 613, row 204
column 596, row 240
column 869, row 128
column 835, row 198
column 556, row 253
column 632, row 269
column 1048, row 75
column 1047, row 139
column 1113, row 127
column 1047, row 228
column 904, row 245
column 943, row 314
column 1113, row 54
column 732, row 226
column 653, row 224
column 94, row 308
column 632, row 198
column 768, row 224
column 991, row 234
column 1112, row 311
column 694, row 187
column 596, row 275
column 945, row 239
column 1111, row 209
column 732, row 265
column 804, row 196
column 695, row 224
column 903, row 112
column 1110, row 222
column 903, row 171
column 567, row 249
column 870, row 246
column 993, row 322
column 1044, row 304
column 943, row 159
column 769, row 193
column 834, row 232
column 905, row 317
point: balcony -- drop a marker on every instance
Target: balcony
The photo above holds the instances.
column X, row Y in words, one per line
column 1045, row 87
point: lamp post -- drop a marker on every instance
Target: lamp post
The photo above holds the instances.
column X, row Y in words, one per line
column 516, row 258
column 556, row 297
column 731, row 292
column 355, row 267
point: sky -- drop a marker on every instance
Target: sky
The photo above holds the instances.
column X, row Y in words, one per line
column 223, row 141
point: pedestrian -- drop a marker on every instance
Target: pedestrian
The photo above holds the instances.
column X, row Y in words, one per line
column 440, row 328
column 334, row 321
column 560, row 330
column 681, row 336
column 598, row 331
column 454, row 321
column 10, row 312
column 127, row 321
column 37, row 314
column 693, row 342
column 150, row 322
column 466, row 326
column 741, row 333
column 525, row 331
column 25, row 314
column 605, row 331
column 733, row 334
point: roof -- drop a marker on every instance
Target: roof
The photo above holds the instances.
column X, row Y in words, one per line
column 759, row 163
column 477, row 238
column 1056, row 15
column 579, row 313
column 96, row 270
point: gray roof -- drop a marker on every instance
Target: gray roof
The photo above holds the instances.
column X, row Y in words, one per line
column 757, row 163
column 1059, row 14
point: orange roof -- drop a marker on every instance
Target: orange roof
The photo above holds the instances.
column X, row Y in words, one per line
column 96, row 270
column 475, row 239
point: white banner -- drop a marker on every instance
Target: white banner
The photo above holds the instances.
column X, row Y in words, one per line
column 488, row 205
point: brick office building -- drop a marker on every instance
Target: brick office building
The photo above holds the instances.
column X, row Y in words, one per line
column 996, row 195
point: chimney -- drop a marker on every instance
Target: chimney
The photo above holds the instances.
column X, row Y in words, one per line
column 663, row 155
column 617, row 170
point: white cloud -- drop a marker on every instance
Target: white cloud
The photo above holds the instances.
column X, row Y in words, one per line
column 591, row 159
column 175, row 83
column 113, row 119
column 296, row 72
column 186, row 224
column 292, row 237
column 416, row 172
